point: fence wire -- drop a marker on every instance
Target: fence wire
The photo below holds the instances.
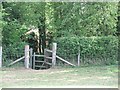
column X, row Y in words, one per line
column 87, row 58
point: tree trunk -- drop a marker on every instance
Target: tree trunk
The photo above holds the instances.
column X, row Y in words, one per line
column 42, row 32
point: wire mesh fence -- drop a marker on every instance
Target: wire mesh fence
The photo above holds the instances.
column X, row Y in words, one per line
column 93, row 50
column 87, row 58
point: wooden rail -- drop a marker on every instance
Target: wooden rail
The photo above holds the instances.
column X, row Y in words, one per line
column 65, row 61
column 48, row 50
column 38, row 55
column 41, row 56
column 44, row 62
column 16, row 61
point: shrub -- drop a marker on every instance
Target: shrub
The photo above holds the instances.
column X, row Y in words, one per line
column 13, row 46
column 93, row 50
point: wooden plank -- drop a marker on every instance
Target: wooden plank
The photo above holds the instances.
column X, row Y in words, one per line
column 39, row 61
column 54, row 48
column 26, row 56
column 65, row 61
column 16, row 61
column 48, row 50
column 0, row 56
column 48, row 63
column 39, row 55
column 44, row 62
column 48, row 57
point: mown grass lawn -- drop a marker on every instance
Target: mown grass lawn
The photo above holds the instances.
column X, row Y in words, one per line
column 95, row 76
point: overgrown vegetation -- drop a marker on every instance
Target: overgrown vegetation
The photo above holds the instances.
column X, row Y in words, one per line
column 91, row 26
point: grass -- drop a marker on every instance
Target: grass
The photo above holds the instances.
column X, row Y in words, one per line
column 94, row 76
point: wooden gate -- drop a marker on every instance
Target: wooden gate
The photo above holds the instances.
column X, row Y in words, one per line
column 49, row 59
column 44, row 63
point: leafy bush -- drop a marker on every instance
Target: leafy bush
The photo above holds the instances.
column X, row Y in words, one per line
column 93, row 50
column 13, row 46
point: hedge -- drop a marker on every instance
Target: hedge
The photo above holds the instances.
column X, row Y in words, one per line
column 93, row 50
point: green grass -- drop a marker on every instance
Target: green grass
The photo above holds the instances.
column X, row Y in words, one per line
column 95, row 76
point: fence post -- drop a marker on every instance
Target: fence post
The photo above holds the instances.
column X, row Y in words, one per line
column 0, row 56
column 26, row 56
column 45, row 55
column 31, row 55
column 34, row 60
column 79, row 57
column 54, row 48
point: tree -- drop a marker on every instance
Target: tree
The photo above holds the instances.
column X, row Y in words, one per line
column 26, row 15
column 1, row 23
column 118, row 23
column 85, row 19
column 118, row 30
column 13, row 30
column 61, row 19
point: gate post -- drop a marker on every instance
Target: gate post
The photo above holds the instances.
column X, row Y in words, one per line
column 31, row 55
column 79, row 58
column 27, row 56
column 0, row 56
column 54, row 48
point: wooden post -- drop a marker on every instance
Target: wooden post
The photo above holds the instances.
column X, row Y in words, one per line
column 78, row 57
column 34, row 60
column 26, row 56
column 0, row 56
column 54, row 48
column 31, row 51
column 45, row 55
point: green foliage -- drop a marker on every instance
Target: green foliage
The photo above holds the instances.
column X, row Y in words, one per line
column 2, row 23
column 72, row 22
column 13, row 46
column 12, row 33
column 85, row 19
column 93, row 50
